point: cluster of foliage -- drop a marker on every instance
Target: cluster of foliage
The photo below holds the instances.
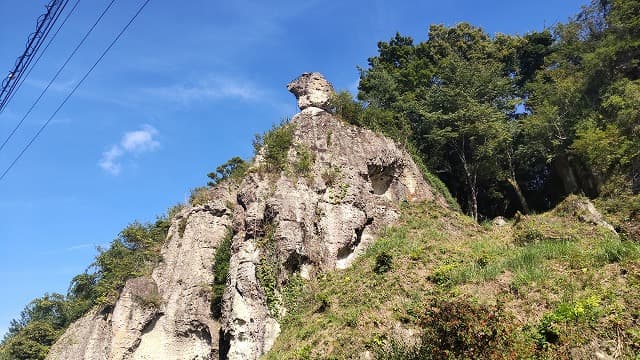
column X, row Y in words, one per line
column 511, row 123
column 133, row 253
column 268, row 271
column 233, row 169
column 275, row 145
column 220, row 273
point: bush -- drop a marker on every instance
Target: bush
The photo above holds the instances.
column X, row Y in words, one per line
column 220, row 273
column 459, row 329
column 276, row 144
column 304, row 160
column 330, row 175
column 551, row 325
column 134, row 253
column 383, row 263
column 200, row 195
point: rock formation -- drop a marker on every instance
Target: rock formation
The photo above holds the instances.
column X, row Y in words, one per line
column 292, row 223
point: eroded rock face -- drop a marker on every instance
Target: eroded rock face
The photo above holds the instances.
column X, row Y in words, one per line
column 287, row 223
column 311, row 90
column 166, row 315
column 318, row 221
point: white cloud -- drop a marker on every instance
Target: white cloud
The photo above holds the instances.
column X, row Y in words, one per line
column 140, row 140
column 207, row 90
column 132, row 142
column 110, row 161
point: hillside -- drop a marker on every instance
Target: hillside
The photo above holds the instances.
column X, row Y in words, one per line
column 211, row 280
column 558, row 285
column 477, row 200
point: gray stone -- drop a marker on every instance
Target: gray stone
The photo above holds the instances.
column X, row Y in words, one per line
column 311, row 222
column 311, row 90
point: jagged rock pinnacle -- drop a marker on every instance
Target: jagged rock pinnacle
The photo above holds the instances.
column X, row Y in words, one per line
column 311, row 90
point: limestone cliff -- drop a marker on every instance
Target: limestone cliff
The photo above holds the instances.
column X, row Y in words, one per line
column 293, row 223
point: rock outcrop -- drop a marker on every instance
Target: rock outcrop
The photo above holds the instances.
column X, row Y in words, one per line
column 318, row 221
column 311, row 90
column 166, row 315
column 291, row 223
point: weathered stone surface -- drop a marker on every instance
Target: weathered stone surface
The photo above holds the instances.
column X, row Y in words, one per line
column 166, row 315
column 311, row 90
column 298, row 224
column 320, row 221
column 499, row 221
column 584, row 210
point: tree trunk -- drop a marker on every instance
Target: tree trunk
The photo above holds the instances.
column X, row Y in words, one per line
column 473, row 202
column 523, row 201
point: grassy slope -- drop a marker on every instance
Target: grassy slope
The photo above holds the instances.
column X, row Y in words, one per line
column 548, row 286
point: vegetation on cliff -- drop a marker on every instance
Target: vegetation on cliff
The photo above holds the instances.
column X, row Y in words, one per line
column 542, row 286
column 133, row 253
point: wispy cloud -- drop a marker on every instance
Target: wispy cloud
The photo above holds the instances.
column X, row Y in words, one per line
column 208, row 90
column 132, row 142
column 73, row 248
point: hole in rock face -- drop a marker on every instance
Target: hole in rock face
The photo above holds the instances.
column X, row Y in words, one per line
column 294, row 262
column 344, row 252
column 380, row 177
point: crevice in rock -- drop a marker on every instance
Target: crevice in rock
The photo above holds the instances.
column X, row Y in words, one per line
column 381, row 177
column 224, row 344
column 215, row 211
column 106, row 311
column 148, row 327
column 241, row 202
column 360, row 230
column 346, row 252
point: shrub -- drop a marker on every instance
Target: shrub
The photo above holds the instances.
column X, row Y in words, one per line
column 200, row 195
column 182, row 225
column 220, row 273
column 134, row 253
column 275, row 145
column 268, row 271
column 174, row 210
column 443, row 274
column 459, row 329
column 304, row 160
column 551, row 325
column 383, row 263
column 330, row 175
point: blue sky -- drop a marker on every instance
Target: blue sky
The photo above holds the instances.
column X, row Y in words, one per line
column 185, row 89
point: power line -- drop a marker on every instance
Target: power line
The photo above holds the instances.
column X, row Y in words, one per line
column 26, row 76
column 104, row 53
column 43, row 27
column 55, row 77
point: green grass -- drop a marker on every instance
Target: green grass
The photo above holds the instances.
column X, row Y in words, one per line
column 561, row 289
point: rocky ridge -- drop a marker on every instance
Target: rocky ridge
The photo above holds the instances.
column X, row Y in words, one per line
column 296, row 224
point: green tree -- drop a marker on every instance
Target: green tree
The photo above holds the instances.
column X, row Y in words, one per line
column 457, row 93
column 234, row 168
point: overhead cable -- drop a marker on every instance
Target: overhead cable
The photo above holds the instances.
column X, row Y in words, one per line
column 55, row 77
column 43, row 26
column 55, row 34
column 104, row 53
